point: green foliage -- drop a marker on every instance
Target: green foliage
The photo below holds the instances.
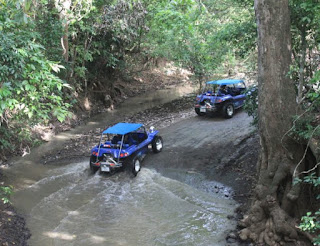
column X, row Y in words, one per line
column 305, row 18
column 305, row 14
column 5, row 192
column 200, row 36
column 311, row 221
column 102, row 37
column 251, row 103
column 313, row 94
column 305, row 127
column 50, row 29
column 30, row 90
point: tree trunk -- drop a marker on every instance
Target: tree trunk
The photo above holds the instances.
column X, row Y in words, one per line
column 302, row 63
column 63, row 8
column 270, row 219
column 65, row 43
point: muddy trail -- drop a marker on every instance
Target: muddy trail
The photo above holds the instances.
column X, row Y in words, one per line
column 189, row 194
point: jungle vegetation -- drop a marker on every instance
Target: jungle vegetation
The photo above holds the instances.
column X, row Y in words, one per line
column 53, row 52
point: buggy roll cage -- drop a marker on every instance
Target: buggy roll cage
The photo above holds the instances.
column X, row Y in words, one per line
column 119, row 129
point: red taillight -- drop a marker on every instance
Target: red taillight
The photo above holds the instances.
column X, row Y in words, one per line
column 112, row 164
column 124, row 154
column 94, row 153
column 98, row 164
column 219, row 100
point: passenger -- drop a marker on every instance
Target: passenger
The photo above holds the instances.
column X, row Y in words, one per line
column 116, row 139
column 128, row 139
column 222, row 90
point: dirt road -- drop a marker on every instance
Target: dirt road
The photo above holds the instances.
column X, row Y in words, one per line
column 223, row 150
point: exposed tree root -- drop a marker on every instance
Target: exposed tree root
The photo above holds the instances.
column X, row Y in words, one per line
column 268, row 224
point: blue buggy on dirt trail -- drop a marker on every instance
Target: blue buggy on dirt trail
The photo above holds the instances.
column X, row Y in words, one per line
column 124, row 145
column 223, row 96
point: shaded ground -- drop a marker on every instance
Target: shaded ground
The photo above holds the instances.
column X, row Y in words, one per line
column 230, row 159
column 13, row 230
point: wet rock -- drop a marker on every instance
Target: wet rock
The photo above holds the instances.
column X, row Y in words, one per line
column 230, row 217
column 107, row 101
column 232, row 235
column 231, row 240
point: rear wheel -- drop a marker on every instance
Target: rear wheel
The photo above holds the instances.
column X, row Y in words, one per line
column 136, row 166
column 92, row 167
column 228, row 110
column 157, row 144
column 198, row 112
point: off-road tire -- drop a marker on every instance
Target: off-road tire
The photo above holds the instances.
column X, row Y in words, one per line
column 228, row 110
column 93, row 168
column 136, row 166
column 157, row 144
column 198, row 112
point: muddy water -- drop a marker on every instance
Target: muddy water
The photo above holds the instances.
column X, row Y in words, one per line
column 76, row 208
column 67, row 205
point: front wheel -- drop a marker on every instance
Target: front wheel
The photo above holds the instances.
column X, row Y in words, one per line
column 136, row 166
column 157, row 144
column 228, row 110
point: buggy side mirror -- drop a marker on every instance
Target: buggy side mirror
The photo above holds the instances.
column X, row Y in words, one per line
column 152, row 129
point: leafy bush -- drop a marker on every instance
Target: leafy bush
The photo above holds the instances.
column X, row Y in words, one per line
column 251, row 104
column 305, row 127
column 5, row 192
column 311, row 221
column 30, row 88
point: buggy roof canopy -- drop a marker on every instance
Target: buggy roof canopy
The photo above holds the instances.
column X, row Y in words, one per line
column 224, row 82
column 122, row 128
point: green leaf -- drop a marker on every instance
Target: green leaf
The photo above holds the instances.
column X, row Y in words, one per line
column 59, row 86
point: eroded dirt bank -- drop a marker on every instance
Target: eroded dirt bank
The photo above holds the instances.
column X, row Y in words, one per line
column 222, row 150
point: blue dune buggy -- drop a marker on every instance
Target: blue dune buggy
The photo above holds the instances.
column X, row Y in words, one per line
column 222, row 96
column 124, row 145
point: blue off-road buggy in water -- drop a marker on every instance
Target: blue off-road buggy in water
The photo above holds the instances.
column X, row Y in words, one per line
column 222, row 96
column 124, row 145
